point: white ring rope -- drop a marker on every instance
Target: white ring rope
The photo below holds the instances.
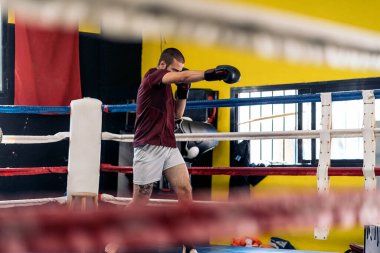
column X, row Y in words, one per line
column 220, row 136
column 232, row 136
column 124, row 201
column 107, row 198
column 30, row 139
column 31, row 202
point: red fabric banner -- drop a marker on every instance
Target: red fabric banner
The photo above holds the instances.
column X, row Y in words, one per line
column 46, row 66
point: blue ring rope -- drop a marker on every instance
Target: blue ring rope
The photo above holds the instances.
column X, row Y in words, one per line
column 233, row 102
column 25, row 109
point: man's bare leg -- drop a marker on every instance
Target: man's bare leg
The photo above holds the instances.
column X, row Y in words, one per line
column 178, row 177
column 141, row 196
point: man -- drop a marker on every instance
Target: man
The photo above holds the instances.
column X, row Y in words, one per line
column 155, row 150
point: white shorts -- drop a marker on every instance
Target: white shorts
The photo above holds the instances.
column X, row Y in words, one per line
column 149, row 162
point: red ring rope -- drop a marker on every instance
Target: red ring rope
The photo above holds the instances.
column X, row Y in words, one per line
column 31, row 171
column 233, row 171
column 254, row 171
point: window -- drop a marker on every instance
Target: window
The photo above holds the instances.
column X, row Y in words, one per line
column 345, row 115
column 305, row 116
column 267, row 118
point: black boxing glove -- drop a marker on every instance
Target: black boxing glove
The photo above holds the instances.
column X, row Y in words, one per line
column 183, row 89
column 229, row 74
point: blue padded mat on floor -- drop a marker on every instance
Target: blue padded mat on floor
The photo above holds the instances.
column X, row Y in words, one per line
column 230, row 249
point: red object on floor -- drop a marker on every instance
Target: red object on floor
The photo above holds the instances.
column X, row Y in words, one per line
column 356, row 248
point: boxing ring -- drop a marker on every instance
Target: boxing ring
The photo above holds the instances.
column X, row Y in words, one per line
column 321, row 210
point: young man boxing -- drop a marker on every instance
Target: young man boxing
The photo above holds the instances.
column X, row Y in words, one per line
column 155, row 150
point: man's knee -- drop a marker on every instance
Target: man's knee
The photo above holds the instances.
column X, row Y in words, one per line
column 145, row 189
column 142, row 193
column 184, row 188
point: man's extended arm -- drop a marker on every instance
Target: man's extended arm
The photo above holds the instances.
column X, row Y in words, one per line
column 227, row 73
column 189, row 76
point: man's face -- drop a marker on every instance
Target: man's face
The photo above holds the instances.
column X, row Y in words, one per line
column 175, row 66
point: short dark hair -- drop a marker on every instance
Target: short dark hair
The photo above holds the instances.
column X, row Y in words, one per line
column 169, row 54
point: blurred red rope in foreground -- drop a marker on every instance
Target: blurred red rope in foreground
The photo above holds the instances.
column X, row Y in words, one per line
column 52, row 229
column 233, row 171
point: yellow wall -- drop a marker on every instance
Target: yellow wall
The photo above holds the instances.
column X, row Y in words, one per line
column 363, row 14
column 258, row 71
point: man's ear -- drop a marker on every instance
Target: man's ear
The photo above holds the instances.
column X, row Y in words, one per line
column 162, row 65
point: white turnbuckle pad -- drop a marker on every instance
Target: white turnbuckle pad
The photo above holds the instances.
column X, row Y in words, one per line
column 321, row 229
column 325, row 141
column 84, row 152
column 369, row 140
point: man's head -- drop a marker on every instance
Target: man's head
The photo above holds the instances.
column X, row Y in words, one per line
column 171, row 59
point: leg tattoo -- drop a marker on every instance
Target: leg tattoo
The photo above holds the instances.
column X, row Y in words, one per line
column 145, row 189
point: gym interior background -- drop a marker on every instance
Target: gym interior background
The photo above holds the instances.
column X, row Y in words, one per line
column 111, row 71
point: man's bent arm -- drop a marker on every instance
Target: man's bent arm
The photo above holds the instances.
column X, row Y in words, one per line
column 180, row 105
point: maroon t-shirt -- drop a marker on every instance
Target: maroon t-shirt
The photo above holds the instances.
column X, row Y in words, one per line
column 155, row 111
